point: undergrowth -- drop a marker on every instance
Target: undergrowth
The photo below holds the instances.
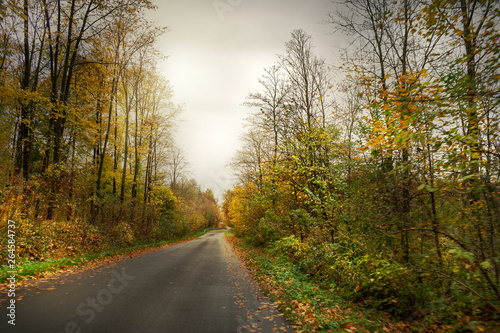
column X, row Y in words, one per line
column 342, row 297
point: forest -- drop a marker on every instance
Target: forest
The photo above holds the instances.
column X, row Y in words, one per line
column 376, row 178
column 88, row 156
column 379, row 178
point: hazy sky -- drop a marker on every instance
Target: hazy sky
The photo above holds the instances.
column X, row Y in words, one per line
column 217, row 51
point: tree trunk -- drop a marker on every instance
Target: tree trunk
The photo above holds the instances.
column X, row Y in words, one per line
column 125, row 153
column 24, row 137
column 136, row 140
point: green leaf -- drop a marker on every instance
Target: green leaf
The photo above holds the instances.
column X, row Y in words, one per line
column 468, row 177
column 485, row 264
column 461, row 253
column 430, row 188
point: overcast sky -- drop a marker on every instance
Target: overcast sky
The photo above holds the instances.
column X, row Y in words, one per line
column 217, row 50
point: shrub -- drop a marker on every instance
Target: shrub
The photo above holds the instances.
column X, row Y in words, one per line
column 292, row 247
column 372, row 280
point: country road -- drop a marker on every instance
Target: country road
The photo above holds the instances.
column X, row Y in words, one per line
column 197, row 286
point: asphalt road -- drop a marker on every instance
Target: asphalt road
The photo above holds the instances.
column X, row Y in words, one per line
column 197, row 286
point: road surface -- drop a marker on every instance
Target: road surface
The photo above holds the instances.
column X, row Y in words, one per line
column 197, row 286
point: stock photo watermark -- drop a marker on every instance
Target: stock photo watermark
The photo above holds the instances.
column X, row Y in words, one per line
column 222, row 7
column 11, row 263
column 220, row 180
column 89, row 309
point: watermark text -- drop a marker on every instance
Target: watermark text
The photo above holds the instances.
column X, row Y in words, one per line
column 11, row 263
column 222, row 7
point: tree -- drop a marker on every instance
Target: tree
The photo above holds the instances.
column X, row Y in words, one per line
column 249, row 161
column 128, row 42
column 271, row 105
column 177, row 166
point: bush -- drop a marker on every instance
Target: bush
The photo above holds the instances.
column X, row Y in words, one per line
column 172, row 226
column 373, row 281
column 53, row 240
column 291, row 247
column 266, row 231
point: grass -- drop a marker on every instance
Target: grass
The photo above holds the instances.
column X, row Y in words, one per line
column 28, row 269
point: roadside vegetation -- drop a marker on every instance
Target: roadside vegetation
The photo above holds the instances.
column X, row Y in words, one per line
column 313, row 303
column 46, row 245
column 378, row 181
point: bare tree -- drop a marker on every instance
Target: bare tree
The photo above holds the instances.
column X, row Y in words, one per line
column 249, row 162
column 270, row 102
column 302, row 70
column 177, row 168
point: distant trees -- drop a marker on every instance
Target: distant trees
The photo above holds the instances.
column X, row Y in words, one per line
column 396, row 159
column 196, row 209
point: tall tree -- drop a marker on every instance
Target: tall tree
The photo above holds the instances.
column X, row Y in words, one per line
column 271, row 102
